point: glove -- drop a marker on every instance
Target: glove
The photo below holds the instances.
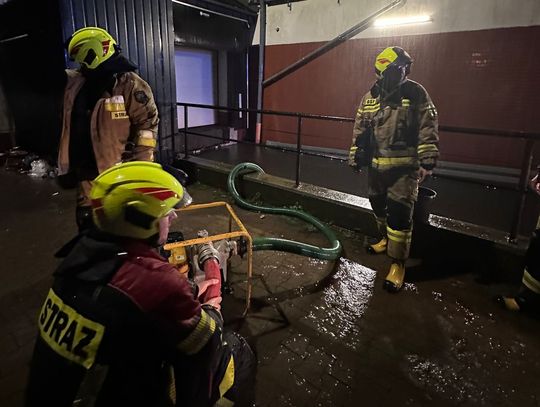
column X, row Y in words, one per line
column 360, row 152
column 356, row 159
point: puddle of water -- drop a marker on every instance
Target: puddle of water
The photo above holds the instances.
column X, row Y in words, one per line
column 469, row 316
column 442, row 379
column 477, row 358
column 344, row 302
column 437, row 296
column 410, row 287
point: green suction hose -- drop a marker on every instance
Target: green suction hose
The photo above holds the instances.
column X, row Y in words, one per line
column 271, row 243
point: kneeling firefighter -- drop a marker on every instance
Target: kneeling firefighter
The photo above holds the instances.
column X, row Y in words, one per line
column 120, row 326
column 396, row 136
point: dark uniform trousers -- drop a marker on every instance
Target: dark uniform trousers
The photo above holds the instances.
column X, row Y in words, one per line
column 531, row 274
column 392, row 194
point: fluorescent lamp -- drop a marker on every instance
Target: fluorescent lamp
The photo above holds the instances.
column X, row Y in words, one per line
column 391, row 22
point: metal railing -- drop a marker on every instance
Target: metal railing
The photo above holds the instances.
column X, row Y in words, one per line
column 522, row 187
column 299, row 118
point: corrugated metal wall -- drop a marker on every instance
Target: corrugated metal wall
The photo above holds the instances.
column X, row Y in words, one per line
column 144, row 30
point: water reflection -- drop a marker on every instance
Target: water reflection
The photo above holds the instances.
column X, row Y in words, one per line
column 344, row 302
column 441, row 378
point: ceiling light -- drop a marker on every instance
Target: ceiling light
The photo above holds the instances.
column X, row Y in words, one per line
column 392, row 22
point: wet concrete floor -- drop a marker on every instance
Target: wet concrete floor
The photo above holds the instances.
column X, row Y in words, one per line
column 325, row 333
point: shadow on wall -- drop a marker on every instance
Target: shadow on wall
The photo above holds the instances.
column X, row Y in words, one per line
column 32, row 72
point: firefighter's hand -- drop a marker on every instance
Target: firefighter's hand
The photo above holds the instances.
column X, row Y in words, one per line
column 423, row 173
column 203, row 285
column 214, row 302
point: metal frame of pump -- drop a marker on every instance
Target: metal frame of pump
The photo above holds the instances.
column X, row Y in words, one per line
column 241, row 233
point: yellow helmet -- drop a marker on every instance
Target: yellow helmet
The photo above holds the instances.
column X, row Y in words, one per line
column 91, row 46
column 129, row 199
column 392, row 57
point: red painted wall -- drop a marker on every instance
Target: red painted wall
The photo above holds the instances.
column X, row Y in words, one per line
column 484, row 79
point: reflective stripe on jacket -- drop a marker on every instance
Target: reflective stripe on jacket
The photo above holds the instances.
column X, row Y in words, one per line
column 119, row 310
column 405, row 133
column 124, row 122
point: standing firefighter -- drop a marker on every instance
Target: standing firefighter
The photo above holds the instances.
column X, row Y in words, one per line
column 109, row 115
column 396, row 136
column 528, row 297
column 120, row 326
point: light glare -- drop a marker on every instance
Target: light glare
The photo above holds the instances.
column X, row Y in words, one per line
column 389, row 22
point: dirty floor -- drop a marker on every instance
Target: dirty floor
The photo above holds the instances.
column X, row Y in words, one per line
column 325, row 333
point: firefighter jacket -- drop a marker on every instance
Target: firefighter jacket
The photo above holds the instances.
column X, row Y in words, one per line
column 123, row 122
column 118, row 316
column 397, row 130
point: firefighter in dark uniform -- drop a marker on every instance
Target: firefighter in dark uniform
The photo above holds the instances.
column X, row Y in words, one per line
column 119, row 319
column 528, row 297
column 396, row 136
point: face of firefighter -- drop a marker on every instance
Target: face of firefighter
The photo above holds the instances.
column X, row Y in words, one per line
column 394, row 76
column 165, row 225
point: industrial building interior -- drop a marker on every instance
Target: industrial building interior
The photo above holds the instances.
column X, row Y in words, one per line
column 257, row 101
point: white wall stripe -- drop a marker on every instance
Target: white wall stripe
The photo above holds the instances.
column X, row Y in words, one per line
column 322, row 20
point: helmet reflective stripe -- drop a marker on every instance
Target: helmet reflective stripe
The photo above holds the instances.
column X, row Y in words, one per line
column 159, row 193
column 385, row 58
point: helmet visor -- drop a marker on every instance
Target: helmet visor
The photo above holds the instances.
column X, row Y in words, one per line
column 185, row 201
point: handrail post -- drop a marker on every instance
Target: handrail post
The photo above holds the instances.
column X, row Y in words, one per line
column 174, row 109
column 186, row 152
column 523, row 181
column 298, row 149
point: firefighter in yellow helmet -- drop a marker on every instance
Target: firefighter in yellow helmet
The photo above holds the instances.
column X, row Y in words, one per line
column 109, row 114
column 119, row 315
column 396, row 136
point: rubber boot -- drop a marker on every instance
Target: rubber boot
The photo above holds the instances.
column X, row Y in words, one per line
column 394, row 280
column 379, row 247
column 514, row 304
column 524, row 301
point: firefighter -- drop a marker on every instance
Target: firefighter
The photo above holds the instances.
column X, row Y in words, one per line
column 120, row 326
column 109, row 115
column 396, row 136
column 528, row 297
